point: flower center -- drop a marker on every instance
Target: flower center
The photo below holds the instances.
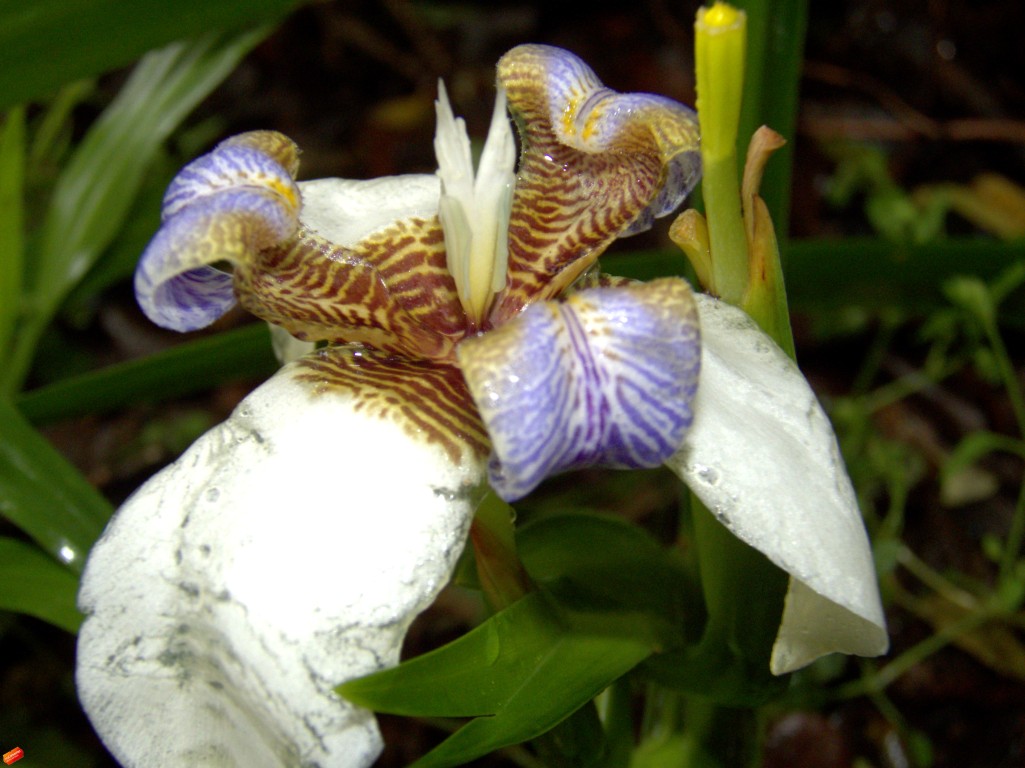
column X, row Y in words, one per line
column 475, row 207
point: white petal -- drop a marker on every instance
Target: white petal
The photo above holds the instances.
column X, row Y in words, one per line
column 475, row 208
column 285, row 552
column 286, row 346
column 345, row 211
column 762, row 456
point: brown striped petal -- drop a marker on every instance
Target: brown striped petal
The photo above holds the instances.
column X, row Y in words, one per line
column 331, row 260
column 223, row 207
column 429, row 400
column 595, row 165
column 337, row 282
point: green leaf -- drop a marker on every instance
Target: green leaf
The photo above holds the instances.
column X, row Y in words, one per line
column 828, row 274
column 98, row 187
column 96, row 35
column 195, row 366
column 119, row 260
column 577, row 742
column 53, row 129
column 32, row 583
column 96, row 190
column 518, row 674
column 12, row 177
column 603, row 563
column 41, row 493
column 775, row 34
column 744, row 594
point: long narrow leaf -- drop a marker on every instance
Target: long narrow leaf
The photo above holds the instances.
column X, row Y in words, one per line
column 95, row 35
column 830, row 273
column 776, row 32
column 97, row 188
column 32, row 583
column 41, row 493
column 12, row 176
column 185, row 369
column 607, row 564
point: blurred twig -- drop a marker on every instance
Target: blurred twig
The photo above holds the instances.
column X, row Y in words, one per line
column 906, row 123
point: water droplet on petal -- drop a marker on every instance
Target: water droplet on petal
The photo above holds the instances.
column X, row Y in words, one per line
column 709, row 475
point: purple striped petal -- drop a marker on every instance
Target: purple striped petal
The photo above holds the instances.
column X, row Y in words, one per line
column 223, row 207
column 595, row 165
column 606, row 378
column 227, row 167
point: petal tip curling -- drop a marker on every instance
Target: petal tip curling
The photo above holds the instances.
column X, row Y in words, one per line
column 762, row 456
column 595, row 165
column 222, row 207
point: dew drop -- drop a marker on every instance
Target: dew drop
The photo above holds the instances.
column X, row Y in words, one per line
column 709, row 475
column 67, row 553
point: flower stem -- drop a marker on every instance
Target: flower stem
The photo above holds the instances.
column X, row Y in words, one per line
column 725, row 228
column 720, row 40
column 499, row 569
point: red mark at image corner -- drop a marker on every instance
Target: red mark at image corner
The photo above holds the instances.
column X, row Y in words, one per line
column 13, row 756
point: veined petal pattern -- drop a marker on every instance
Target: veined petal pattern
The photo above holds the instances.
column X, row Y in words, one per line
column 594, row 164
column 428, row 400
column 225, row 206
column 606, row 377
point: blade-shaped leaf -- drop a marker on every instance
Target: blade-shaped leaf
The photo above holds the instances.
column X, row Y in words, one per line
column 604, row 561
column 826, row 275
column 12, row 173
column 32, row 583
column 96, row 35
column 776, row 32
column 44, row 495
column 181, row 370
column 520, row 673
column 96, row 190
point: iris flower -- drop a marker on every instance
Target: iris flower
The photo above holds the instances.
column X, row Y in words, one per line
column 463, row 338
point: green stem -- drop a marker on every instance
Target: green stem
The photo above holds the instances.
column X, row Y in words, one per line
column 1007, row 373
column 1013, row 543
column 723, row 737
column 616, row 709
column 502, row 576
column 720, row 188
column 1015, row 537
